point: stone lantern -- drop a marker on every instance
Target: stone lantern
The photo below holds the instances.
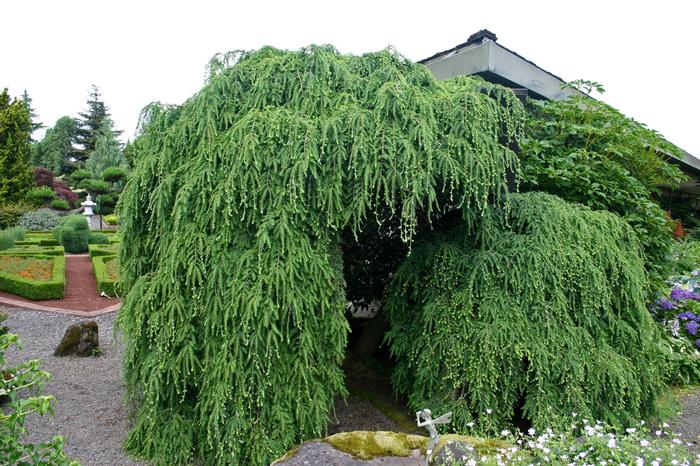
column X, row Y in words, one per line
column 92, row 219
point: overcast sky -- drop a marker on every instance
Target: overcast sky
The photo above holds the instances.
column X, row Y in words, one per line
column 644, row 52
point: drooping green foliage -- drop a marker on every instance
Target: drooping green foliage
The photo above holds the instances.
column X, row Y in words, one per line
column 542, row 308
column 232, row 220
column 584, row 150
column 15, row 128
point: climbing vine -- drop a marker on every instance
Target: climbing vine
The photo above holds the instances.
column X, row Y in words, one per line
column 537, row 314
column 232, row 223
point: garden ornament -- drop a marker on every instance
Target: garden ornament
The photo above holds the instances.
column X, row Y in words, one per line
column 429, row 423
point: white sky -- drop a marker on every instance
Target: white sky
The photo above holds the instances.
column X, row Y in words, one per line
column 644, row 52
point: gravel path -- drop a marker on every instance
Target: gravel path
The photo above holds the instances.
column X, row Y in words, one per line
column 688, row 423
column 89, row 411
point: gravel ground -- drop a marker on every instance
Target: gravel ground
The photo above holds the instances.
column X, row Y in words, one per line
column 89, row 408
column 91, row 415
column 688, row 423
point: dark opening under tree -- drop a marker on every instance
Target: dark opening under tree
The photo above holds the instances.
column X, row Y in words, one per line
column 233, row 221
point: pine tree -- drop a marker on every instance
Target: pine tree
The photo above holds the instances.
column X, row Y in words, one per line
column 32, row 114
column 56, row 151
column 108, row 151
column 15, row 147
column 89, row 124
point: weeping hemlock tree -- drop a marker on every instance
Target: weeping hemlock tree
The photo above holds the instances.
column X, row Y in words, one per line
column 234, row 312
column 541, row 308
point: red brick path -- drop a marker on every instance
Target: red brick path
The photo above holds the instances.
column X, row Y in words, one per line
column 80, row 295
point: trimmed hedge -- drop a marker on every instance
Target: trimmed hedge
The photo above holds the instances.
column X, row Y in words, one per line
column 101, row 250
column 37, row 241
column 33, row 250
column 99, row 267
column 36, row 290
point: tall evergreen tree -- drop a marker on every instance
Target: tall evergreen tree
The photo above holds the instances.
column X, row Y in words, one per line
column 56, row 151
column 15, row 146
column 33, row 116
column 89, row 124
column 108, row 150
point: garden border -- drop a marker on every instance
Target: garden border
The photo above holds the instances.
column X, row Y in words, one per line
column 36, row 290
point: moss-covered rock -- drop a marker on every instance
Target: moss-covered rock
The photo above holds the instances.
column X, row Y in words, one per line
column 81, row 339
column 368, row 445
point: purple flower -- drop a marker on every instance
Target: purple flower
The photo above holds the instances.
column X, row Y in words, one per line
column 679, row 294
column 692, row 327
column 686, row 316
column 664, row 303
column 697, row 342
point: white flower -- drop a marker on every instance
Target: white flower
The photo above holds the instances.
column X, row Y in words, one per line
column 630, row 430
column 531, row 431
column 574, row 414
column 644, row 442
column 612, row 443
column 489, row 410
column 505, row 433
column 470, row 424
column 655, row 463
column 641, row 422
column 639, row 461
column 658, row 433
column 471, row 462
column 665, row 425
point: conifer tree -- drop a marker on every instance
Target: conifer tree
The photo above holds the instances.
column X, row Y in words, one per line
column 15, row 147
column 108, row 151
column 56, row 151
column 89, row 124
column 234, row 312
column 32, row 114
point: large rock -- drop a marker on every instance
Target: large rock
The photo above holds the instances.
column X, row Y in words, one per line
column 81, row 339
column 365, row 448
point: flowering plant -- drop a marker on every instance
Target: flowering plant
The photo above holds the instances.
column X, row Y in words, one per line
column 679, row 309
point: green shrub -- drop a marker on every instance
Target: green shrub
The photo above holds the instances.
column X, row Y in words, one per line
column 106, row 281
column 35, row 289
column 59, row 204
column 10, row 236
column 10, row 213
column 111, row 219
column 114, row 174
column 22, row 384
column 73, row 234
column 98, row 238
column 686, row 256
column 78, row 176
column 42, row 220
column 41, row 195
column 97, row 250
column 34, row 249
column 95, row 187
column 541, row 310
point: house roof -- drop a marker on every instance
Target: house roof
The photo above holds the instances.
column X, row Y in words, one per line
column 482, row 55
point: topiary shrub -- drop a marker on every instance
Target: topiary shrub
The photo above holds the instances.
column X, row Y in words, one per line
column 234, row 314
column 39, row 220
column 40, row 196
column 59, row 204
column 98, row 238
column 95, row 187
column 111, row 219
column 538, row 314
column 73, row 233
column 79, row 176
